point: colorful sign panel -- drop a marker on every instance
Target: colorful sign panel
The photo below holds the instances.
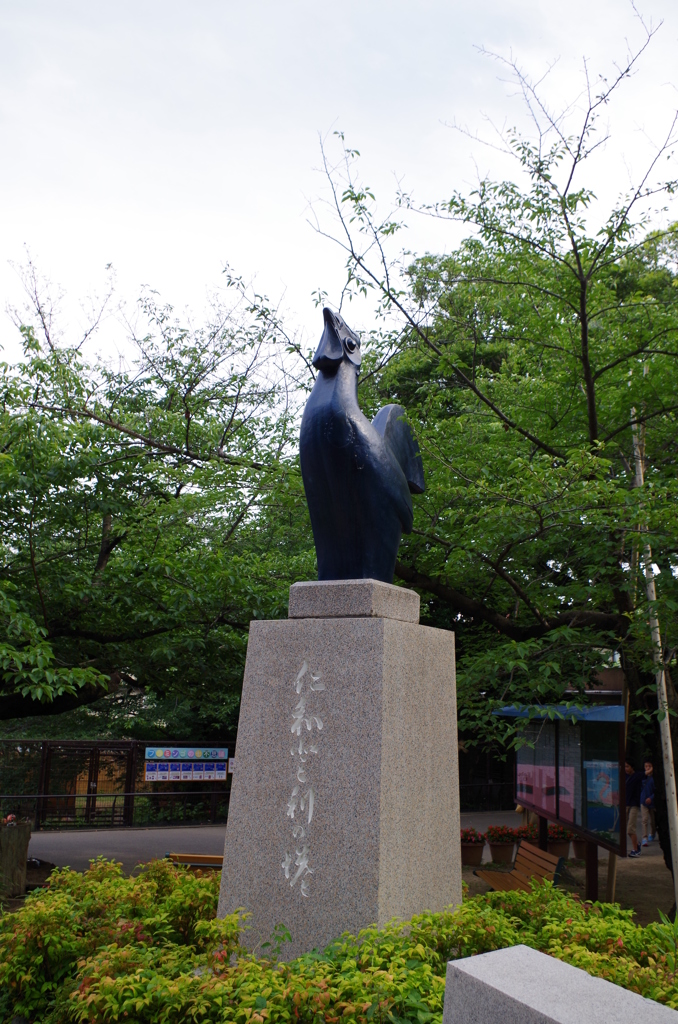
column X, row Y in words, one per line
column 185, row 771
column 196, row 753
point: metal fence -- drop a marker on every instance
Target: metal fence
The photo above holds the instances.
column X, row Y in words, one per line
column 80, row 784
column 67, row 811
column 487, row 796
column 67, row 784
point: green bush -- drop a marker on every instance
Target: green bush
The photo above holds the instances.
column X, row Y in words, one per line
column 46, row 944
column 99, row 947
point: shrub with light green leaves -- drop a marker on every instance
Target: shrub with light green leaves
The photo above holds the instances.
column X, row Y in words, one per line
column 99, row 947
column 43, row 946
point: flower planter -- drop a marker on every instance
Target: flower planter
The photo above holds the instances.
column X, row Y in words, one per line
column 579, row 848
column 502, row 853
column 14, row 840
column 472, row 854
column 560, row 849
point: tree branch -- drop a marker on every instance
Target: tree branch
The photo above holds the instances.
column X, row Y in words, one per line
column 469, row 608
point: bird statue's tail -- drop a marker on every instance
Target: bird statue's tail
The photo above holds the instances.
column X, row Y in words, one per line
column 390, row 422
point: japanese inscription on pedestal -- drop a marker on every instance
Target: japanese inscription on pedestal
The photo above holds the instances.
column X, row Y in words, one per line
column 305, row 729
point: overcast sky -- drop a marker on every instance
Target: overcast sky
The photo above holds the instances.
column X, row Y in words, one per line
column 169, row 138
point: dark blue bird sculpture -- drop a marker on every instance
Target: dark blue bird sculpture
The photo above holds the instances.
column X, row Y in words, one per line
column 358, row 476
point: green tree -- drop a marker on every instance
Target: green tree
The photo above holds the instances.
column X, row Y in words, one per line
column 526, row 358
column 147, row 514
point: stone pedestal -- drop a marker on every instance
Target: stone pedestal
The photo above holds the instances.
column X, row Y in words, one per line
column 345, row 802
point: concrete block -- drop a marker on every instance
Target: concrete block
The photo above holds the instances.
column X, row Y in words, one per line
column 520, row 985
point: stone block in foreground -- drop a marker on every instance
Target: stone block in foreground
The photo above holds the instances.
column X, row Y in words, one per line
column 519, row 985
column 344, row 809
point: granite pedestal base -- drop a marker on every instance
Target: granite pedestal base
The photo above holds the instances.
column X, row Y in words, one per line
column 344, row 809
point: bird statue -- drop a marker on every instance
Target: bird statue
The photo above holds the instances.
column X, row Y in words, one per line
column 358, row 476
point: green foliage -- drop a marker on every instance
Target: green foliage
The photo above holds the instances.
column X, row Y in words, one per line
column 532, row 541
column 147, row 513
column 536, row 360
column 43, row 944
column 27, row 661
column 99, row 947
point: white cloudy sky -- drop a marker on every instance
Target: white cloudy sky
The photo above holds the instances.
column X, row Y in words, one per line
column 168, row 137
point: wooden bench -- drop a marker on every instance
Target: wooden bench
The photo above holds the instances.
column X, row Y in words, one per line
column 531, row 864
column 206, row 861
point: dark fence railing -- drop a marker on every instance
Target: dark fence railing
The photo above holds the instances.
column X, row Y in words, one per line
column 486, row 796
column 66, row 810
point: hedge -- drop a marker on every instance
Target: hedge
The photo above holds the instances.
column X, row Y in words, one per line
column 101, row 947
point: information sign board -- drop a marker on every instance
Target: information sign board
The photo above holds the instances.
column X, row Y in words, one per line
column 185, row 763
column 571, row 768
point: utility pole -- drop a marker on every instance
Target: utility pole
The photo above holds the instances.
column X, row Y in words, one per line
column 660, row 675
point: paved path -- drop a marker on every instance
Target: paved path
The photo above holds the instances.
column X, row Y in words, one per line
column 134, row 845
column 130, row 845
column 483, row 819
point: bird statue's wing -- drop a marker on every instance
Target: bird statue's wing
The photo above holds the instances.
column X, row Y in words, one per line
column 390, row 422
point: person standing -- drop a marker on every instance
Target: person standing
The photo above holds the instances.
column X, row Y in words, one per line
column 634, row 781
column 647, row 803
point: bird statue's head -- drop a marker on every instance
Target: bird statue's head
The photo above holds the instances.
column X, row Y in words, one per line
column 338, row 342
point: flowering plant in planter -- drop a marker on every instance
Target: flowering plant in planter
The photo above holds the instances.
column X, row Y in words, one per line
column 560, row 834
column 500, row 834
column 530, row 833
column 472, row 835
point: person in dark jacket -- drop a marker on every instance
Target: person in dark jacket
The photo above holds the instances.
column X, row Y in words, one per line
column 634, row 781
column 647, row 803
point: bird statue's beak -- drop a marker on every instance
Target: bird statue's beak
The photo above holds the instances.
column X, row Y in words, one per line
column 330, row 351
